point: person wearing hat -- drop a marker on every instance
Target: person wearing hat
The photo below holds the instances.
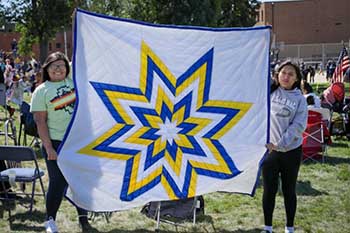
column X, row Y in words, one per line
column 52, row 106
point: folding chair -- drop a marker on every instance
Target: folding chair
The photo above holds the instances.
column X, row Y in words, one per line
column 314, row 137
column 27, row 126
column 174, row 212
column 23, row 174
column 326, row 115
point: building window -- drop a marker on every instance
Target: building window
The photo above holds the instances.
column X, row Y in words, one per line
column 50, row 47
column 58, row 45
column 262, row 15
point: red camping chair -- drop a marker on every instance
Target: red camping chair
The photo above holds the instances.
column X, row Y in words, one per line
column 315, row 137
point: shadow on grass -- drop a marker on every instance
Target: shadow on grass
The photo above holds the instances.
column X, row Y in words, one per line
column 304, row 188
column 20, row 218
column 23, row 227
column 330, row 160
column 35, row 216
column 336, row 160
column 131, row 231
column 339, row 144
column 256, row 230
column 179, row 224
column 194, row 229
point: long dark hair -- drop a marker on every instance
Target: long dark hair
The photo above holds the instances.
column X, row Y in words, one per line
column 306, row 87
column 275, row 83
column 52, row 58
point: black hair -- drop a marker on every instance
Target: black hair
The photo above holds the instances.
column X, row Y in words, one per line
column 306, row 87
column 56, row 56
column 310, row 100
column 275, row 83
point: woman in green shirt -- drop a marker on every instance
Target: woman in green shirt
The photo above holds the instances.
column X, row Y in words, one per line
column 52, row 106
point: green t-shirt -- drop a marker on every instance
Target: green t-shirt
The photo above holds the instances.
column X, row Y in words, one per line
column 57, row 99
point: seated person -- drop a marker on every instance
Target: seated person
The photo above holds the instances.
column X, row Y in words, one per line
column 310, row 101
column 8, row 107
column 308, row 91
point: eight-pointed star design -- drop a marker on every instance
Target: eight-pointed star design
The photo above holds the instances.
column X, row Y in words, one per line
column 167, row 130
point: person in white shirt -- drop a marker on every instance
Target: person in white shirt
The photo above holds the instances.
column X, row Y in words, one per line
column 308, row 91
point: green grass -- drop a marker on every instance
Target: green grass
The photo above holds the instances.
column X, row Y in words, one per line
column 320, row 87
column 323, row 206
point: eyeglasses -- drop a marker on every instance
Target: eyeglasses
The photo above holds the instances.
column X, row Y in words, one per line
column 58, row 66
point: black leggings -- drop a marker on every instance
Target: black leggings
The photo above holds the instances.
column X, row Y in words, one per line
column 57, row 186
column 286, row 165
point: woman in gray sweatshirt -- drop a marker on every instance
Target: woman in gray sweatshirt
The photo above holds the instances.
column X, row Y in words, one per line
column 288, row 121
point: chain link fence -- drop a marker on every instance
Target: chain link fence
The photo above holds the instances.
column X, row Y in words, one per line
column 310, row 53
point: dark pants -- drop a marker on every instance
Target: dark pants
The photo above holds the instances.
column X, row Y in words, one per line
column 57, row 186
column 286, row 165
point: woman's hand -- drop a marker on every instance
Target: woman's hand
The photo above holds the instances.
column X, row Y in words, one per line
column 43, row 130
column 271, row 147
column 51, row 154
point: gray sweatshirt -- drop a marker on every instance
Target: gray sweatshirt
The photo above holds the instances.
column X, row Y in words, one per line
column 288, row 118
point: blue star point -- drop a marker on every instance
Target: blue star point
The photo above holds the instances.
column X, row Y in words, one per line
column 172, row 127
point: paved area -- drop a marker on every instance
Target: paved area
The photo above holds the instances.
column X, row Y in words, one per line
column 320, row 78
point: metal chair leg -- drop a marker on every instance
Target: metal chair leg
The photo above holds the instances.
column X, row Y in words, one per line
column 158, row 217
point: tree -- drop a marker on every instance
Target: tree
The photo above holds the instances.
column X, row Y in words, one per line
column 119, row 8
column 211, row 13
column 238, row 13
column 2, row 15
column 187, row 12
column 39, row 20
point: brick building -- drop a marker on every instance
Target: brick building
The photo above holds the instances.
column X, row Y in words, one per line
column 62, row 42
column 307, row 29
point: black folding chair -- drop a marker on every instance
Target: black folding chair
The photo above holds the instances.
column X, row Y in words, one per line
column 26, row 174
column 27, row 126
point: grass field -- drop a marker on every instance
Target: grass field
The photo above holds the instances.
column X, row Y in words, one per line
column 323, row 205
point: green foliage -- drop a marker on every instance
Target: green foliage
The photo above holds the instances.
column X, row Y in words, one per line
column 26, row 41
column 238, row 13
column 2, row 15
column 39, row 20
column 189, row 12
column 210, row 13
column 119, row 8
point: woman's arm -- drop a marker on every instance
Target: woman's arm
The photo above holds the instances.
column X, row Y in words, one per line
column 40, row 119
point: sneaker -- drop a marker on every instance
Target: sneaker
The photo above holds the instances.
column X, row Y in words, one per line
column 50, row 226
column 85, row 225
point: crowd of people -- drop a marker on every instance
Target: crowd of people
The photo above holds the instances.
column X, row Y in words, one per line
column 18, row 76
